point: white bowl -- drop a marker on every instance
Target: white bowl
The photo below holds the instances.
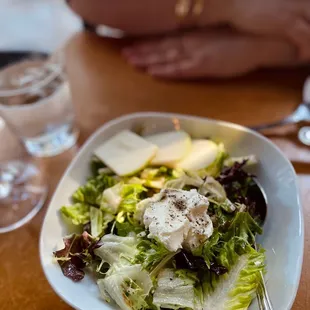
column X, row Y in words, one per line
column 283, row 236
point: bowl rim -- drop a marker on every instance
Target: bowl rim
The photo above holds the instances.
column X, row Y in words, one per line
column 138, row 115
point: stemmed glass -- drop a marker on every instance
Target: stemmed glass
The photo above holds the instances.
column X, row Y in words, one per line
column 35, row 103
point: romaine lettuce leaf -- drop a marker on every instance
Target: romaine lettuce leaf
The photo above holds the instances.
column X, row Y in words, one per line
column 96, row 221
column 78, row 214
column 99, row 221
column 235, row 290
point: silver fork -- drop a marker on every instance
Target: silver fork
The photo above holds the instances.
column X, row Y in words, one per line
column 264, row 302
column 302, row 112
column 262, row 295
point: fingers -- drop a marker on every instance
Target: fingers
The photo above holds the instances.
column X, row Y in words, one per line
column 183, row 69
column 154, row 58
column 219, row 55
column 167, row 49
column 164, row 58
column 155, row 52
column 159, row 51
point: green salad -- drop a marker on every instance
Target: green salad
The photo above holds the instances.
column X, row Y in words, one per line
column 166, row 221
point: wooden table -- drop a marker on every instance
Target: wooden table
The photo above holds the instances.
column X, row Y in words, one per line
column 104, row 87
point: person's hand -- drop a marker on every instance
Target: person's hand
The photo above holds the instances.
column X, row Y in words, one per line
column 213, row 53
column 282, row 18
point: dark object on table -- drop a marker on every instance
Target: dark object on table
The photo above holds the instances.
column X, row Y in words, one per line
column 15, row 56
column 89, row 27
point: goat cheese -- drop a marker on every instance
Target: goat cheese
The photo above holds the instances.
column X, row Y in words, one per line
column 178, row 219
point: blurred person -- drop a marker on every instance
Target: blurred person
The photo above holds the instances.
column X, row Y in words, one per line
column 218, row 38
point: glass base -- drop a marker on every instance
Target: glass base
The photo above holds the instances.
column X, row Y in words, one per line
column 54, row 142
column 22, row 194
column 304, row 135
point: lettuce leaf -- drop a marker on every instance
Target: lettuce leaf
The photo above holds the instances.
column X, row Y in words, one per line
column 216, row 167
column 76, row 255
column 116, row 250
column 241, row 232
column 96, row 221
column 213, row 190
column 250, row 160
column 209, row 249
column 167, row 173
column 150, row 254
column 99, row 221
column 126, row 219
column 95, row 165
column 189, row 179
column 244, row 227
column 220, row 217
column 235, row 290
column 192, row 278
column 241, row 188
column 78, row 214
column 111, row 198
column 175, row 290
column 91, row 192
column 121, row 201
column 129, row 287
column 216, row 194
column 125, row 228
column 131, row 194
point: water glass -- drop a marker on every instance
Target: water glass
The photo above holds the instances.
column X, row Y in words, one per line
column 35, row 102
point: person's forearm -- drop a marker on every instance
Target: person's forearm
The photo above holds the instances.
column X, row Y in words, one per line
column 136, row 18
column 143, row 17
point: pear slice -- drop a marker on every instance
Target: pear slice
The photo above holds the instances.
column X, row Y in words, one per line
column 126, row 153
column 172, row 147
column 202, row 155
